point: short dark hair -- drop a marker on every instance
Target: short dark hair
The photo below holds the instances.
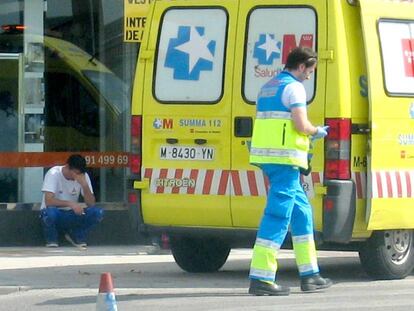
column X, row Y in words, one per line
column 77, row 162
column 301, row 55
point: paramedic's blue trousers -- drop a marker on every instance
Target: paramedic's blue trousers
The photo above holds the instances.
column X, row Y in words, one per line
column 286, row 205
column 78, row 226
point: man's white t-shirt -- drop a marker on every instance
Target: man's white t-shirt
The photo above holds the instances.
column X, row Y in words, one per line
column 294, row 95
column 64, row 189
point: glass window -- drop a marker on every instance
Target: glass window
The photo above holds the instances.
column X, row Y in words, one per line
column 89, row 70
column 72, row 115
column 10, row 13
column 110, row 87
column 272, row 33
column 190, row 58
column 68, row 91
column 397, row 47
column 9, row 97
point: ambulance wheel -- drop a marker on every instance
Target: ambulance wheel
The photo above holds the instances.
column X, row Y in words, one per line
column 199, row 254
column 388, row 255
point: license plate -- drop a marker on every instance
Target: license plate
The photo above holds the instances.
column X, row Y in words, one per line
column 187, row 153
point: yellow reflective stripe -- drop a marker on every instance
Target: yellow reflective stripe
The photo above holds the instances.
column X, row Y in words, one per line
column 284, row 161
column 302, row 238
column 262, row 274
column 273, row 115
column 305, row 252
column 283, row 153
column 267, row 243
column 264, row 258
column 312, row 267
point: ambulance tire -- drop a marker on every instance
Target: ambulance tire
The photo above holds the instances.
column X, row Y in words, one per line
column 199, row 254
column 388, row 254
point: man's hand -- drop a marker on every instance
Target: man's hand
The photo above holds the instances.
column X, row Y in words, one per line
column 81, row 179
column 87, row 192
column 321, row 132
column 77, row 208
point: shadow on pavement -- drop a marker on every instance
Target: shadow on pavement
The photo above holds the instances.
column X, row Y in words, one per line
column 234, row 274
column 137, row 297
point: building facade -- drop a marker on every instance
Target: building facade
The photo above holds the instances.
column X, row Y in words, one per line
column 65, row 87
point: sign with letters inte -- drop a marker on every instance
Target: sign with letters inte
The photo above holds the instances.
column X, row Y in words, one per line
column 135, row 16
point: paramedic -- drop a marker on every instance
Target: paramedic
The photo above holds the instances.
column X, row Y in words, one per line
column 279, row 147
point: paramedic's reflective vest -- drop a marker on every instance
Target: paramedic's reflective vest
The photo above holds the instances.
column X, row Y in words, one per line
column 275, row 139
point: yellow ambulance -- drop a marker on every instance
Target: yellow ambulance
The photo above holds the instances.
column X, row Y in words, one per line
column 200, row 67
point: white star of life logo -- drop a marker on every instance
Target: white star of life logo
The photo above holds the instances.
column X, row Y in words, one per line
column 269, row 46
column 157, row 123
column 196, row 48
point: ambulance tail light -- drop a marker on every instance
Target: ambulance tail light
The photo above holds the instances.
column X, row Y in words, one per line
column 338, row 149
column 136, row 138
column 135, row 161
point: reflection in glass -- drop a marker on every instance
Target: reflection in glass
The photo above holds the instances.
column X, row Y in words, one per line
column 8, row 143
column 76, row 95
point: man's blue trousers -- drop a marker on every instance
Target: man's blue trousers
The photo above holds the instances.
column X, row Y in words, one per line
column 78, row 226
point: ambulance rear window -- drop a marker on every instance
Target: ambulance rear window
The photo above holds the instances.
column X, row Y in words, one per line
column 190, row 60
column 397, row 48
column 271, row 33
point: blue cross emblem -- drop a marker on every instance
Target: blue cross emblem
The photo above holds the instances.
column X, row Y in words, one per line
column 267, row 49
column 190, row 53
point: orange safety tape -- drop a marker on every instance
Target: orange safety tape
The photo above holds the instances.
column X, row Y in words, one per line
column 49, row 159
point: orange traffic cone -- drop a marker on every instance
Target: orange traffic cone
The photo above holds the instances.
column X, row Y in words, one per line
column 106, row 297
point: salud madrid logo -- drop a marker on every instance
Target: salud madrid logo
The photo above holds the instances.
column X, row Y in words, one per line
column 164, row 123
column 157, row 124
column 408, row 56
column 269, row 48
column 190, row 53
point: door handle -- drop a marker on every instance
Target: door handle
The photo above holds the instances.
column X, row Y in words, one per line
column 200, row 141
column 243, row 126
column 171, row 141
column 142, row 184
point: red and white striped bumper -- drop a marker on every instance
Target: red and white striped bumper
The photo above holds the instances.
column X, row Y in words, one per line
column 227, row 182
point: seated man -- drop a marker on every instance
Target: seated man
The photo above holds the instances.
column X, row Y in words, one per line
column 60, row 209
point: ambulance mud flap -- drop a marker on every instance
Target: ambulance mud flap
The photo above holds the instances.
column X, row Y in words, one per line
column 339, row 211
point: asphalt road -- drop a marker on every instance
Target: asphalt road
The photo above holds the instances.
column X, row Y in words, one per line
column 67, row 279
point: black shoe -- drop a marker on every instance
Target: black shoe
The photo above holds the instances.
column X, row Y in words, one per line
column 260, row 288
column 314, row 283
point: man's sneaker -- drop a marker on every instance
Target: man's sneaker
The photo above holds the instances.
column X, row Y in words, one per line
column 52, row 244
column 73, row 242
column 314, row 283
column 260, row 288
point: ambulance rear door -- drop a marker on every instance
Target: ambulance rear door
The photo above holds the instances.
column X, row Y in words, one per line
column 388, row 30
column 186, row 113
column 268, row 31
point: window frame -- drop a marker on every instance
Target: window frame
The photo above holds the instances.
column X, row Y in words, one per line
column 398, row 21
column 246, row 33
column 154, row 76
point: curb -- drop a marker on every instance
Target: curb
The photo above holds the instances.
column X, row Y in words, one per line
column 5, row 290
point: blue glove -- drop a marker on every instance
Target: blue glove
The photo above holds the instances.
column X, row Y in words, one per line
column 321, row 132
